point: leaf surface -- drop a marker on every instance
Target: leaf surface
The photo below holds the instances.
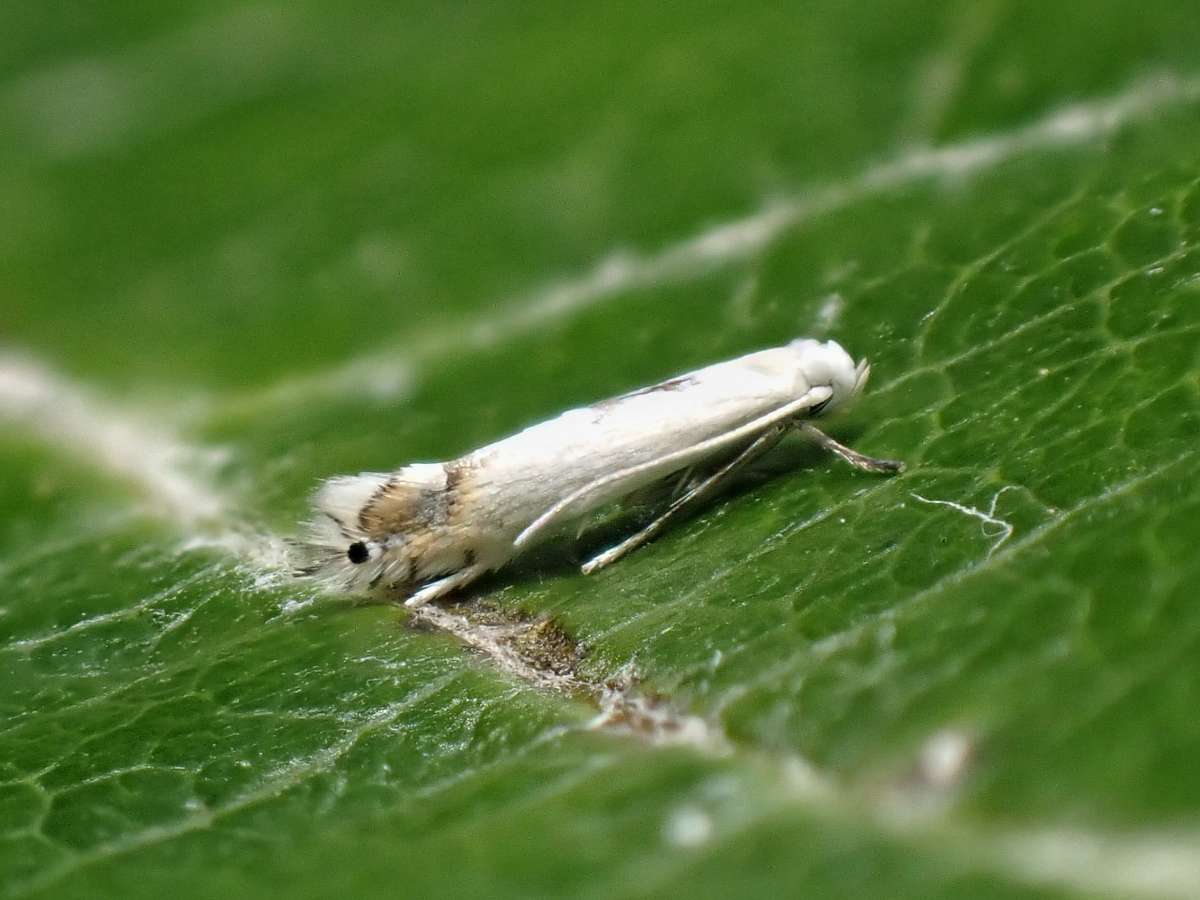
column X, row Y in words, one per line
column 247, row 247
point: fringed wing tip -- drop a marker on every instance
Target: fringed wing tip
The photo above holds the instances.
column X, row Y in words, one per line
column 861, row 373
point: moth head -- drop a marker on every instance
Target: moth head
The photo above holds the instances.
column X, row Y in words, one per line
column 343, row 561
column 339, row 550
column 826, row 364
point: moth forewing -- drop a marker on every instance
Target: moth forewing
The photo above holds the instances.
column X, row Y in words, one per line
column 431, row 528
column 615, row 485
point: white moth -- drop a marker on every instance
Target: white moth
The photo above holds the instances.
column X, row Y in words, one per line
column 430, row 528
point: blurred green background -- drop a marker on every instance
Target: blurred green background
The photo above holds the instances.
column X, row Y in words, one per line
column 246, row 246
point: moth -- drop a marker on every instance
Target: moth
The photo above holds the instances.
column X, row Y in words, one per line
column 429, row 529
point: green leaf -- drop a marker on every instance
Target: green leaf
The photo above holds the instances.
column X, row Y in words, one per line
column 247, row 247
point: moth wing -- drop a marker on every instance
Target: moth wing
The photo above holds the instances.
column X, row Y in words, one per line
column 597, row 491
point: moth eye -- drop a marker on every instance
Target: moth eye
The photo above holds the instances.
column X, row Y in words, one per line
column 819, row 408
column 358, row 553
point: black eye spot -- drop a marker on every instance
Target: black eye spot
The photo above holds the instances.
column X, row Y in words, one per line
column 357, row 553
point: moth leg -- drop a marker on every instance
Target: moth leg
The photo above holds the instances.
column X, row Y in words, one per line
column 856, row 459
column 659, row 493
column 687, row 481
column 695, row 493
column 447, row 585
